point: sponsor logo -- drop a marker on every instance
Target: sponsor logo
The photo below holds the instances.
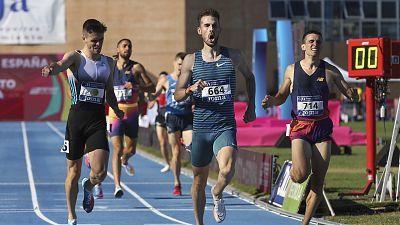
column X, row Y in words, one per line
column 17, row 63
column 43, row 91
column 94, row 92
column 219, row 65
column 320, row 79
column 7, row 83
column 16, row 6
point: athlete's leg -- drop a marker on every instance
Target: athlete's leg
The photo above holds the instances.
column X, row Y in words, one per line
column 320, row 163
column 162, row 139
column 187, row 137
column 301, row 160
column 98, row 171
column 116, row 159
column 200, row 175
column 226, row 159
column 173, row 139
column 71, row 185
column 129, row 150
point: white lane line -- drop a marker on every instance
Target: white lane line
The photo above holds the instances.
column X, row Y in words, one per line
column 35, row 202
column 106, row 209
column 134, row 194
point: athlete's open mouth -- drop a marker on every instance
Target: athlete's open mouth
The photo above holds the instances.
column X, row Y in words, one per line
column 212, row 37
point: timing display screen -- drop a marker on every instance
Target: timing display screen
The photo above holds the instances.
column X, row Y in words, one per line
column 364, row 57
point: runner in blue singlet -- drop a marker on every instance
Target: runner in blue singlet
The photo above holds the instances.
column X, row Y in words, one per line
column 208, row 76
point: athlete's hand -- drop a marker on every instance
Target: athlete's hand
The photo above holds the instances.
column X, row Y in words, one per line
column 46, row 71
column 352, row 92
column 128, row 85
column 120, row 114
column 267, row 101
column 250, row 114
column 198, row 86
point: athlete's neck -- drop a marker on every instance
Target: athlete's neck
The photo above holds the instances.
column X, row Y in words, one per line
column 310, row 63
column 175, row 74
column 122, row 62
column 90, row 55
column 211, row 53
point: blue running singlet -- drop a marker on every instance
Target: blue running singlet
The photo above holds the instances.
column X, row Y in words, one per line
column 214, row 104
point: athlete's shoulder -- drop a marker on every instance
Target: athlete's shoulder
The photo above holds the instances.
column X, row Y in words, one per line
column 331, row 69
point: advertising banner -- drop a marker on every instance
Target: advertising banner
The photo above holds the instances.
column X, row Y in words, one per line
column 32, row 22
column 26, row 95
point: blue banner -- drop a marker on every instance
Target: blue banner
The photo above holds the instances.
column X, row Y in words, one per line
column 260, row 40
column 284, row 40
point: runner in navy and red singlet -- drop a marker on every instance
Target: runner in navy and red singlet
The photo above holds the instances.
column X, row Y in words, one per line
column 309, row 82
column 130, row 81
column 209, row 77
column 90, row 79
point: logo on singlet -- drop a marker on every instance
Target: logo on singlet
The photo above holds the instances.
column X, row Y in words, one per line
column 219, row 65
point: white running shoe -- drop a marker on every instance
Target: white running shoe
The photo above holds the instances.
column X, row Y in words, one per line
column 219, row 207
column 98, row 191
column 128, row 168
column 72, row 222
column 118, row 192
column 165, row 169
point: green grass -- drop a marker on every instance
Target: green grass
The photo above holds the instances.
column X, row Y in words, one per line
column 346, row 173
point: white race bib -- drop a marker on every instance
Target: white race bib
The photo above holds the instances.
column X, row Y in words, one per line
column 216, row 91
column 92, row 92
column 122, row 94
column 310, row 105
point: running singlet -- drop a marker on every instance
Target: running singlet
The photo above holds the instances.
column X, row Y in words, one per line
column 88, row 84
column 310, row 93
column 125, row 95
column 214, row 104
column 174, row 107
column 127, row 98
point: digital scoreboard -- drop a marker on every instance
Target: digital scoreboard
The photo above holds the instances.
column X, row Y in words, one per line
column 369, row 57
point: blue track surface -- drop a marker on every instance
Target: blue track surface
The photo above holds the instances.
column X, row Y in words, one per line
column 32, row 187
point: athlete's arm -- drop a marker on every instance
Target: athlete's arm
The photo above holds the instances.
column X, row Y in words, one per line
column 161, row 84
column 110, row 95
column 341, row 84
column 250, row 113
column 182, row 90
column 57, row 67
column 147, row 85
column 283, row 91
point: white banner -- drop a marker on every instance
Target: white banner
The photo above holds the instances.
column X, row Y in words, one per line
column 32, row 21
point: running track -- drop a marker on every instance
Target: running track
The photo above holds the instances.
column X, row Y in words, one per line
column 32, row 187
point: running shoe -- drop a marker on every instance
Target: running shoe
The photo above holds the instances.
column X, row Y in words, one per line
column 72, row 222
column 88, row 200
column 177, row 190
column 118, row 192
column 219, row 207
column 165, row 169
column 86, row 160
column 98, row 191
column 128, row 169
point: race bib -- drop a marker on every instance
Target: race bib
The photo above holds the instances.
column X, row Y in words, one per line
column 92, row 92
column 65, row 147
column 217, row 91
column 310, row 105
column 122, row 94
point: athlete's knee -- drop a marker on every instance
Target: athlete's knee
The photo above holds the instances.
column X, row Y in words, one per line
column 98, row 177
column 227, row 170
column 74, row 172
column 299, row 176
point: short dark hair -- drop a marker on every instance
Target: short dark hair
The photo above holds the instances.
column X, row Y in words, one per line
column 311, row 32
column 93, row 26
column 180, row 55
column 163, row 73
column 207, row 12
column 124, row 39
